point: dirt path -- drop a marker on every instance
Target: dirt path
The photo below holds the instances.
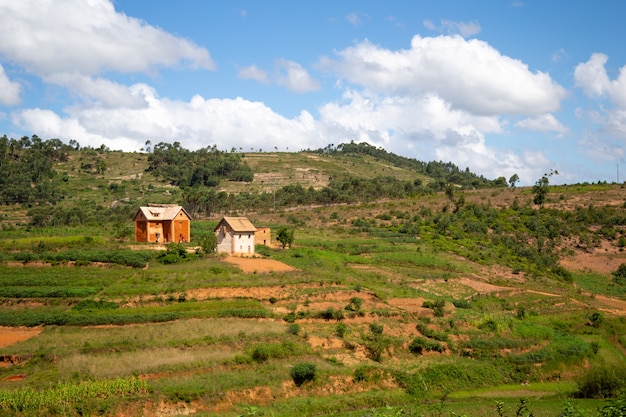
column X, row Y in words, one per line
column 258, row 265
column 12, row 335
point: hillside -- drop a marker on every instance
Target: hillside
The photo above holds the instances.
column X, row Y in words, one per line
column 451, row 301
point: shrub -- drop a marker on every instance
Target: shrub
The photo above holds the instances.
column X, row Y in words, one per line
column 619, row 276
column 601, row 382
column 462, row 304
column 376, row 329
column 420, row 344
column 303, row 372
column 341, row 330
column 264, row 351
column 331, row 314
column 293, row 329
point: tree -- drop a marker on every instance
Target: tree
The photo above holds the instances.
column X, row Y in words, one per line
column 541, row 188
column 285, row 237
column 513, row 180
column 208, row 243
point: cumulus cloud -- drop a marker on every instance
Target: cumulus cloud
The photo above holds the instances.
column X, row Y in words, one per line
column 543, row 123
column 9, row 90
column 88, row 37
column 592, row 77
column 469, row 74
column 427, row 126
column 293, row 76
column 197, row 123
column 100, row 91
column 254, row 73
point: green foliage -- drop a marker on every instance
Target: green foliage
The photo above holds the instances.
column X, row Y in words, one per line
column 331, row 314
column 285, row 237
column 175, row 253
column 438, row 307
column 125, row 257
column 420, row 345
column 619, row 276
column 294, row 329
column 30, row 401
column 376, row 344
column 541, row 188
column 203, row 167
column 601, row 382
column 341, row 330
column 303, row 372
column 208, row 243
column 263, row 352
column 93, row 305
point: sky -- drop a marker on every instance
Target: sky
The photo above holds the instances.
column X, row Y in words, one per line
column 499, row 87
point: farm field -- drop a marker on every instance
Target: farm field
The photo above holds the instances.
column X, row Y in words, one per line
column 461, row 303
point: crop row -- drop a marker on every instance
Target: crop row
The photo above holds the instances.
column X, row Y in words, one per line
column 32, row 400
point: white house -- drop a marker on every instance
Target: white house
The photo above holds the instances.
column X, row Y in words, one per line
column 235, row 235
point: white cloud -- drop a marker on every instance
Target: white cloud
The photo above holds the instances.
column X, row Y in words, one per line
column 88, row 37
column 543, row 123
column 254, row 73
column 469, row 74
column 198, row 123
column 9, row 90
column 592, row 77
column 427, row 127
column 101, row 91
column 293, row 76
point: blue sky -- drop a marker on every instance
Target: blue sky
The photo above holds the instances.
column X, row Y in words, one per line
column 501, row 87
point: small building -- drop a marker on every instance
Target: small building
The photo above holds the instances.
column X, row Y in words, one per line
column 162, row 223
column 235, row 235
column 262, row 236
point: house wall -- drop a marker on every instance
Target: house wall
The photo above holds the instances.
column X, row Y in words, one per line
column 224, row 239
column 263, row 236
column 176, row 230
column 141, row 231
column 230, row 242
column 243, row 243
column 155, row 232
column 181, row 228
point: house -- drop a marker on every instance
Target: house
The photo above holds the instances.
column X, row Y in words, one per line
column 162, row 223
column 235, row 235
column 262, row 236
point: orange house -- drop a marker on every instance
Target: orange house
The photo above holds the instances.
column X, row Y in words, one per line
column 162, row 223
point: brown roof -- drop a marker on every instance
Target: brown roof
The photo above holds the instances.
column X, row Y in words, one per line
column 155, row 212
column 238, row 224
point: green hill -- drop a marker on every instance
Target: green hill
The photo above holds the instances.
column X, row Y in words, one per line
column 411, row 288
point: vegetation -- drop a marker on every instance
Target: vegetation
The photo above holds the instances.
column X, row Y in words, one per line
column 412, row 297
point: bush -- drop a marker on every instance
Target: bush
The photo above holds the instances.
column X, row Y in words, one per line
column 303, row 372
column 341, row 330
column 293, row 329
column 601, row 382
column 619, row 276
column 420, row 344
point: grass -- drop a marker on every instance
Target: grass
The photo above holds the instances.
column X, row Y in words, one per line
column 202, row 351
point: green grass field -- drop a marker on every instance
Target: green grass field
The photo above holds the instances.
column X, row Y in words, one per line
column 412, row 307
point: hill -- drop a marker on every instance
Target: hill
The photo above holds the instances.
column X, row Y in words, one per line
column 425, row 301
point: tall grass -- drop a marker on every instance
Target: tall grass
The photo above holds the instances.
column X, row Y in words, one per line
column 56, row 399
